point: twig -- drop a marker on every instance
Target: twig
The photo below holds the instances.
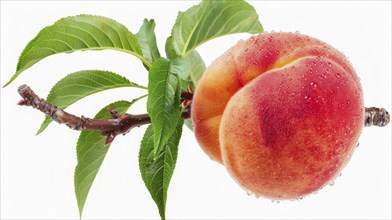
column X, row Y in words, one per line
column 118, row 124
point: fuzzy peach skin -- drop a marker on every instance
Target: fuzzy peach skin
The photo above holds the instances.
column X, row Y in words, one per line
column 282, row 111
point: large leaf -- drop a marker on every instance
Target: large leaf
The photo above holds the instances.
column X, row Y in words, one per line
column 147, row 40
column 163, row 103
column 211, row 19
column 78, row 85
column 91, row 151
column 156, row 173
column 76, row 33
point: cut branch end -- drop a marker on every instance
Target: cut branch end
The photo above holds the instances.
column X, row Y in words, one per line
column 376, row 116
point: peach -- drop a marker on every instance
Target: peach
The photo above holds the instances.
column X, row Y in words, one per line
column 282, row 111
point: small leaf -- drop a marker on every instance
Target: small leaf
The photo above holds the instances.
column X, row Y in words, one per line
column 197, row 68
column 169, row 48
column 181, row 67
column 77, row 33
column 211, row 19
column 156, row 173
column 163, row 103
column 189, row 124
column 147, row 41
column 81, row 84
column 91, row 151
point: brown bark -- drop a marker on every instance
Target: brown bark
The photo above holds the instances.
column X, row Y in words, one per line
column 118, row 124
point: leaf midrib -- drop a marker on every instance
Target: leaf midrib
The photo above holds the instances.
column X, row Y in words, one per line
column 184, row 51
column 146, row 62
column 165, row 106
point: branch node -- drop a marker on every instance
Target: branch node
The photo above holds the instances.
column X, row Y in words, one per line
column 114, row 113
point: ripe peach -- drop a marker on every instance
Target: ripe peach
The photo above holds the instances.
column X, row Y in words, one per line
column 282, row 111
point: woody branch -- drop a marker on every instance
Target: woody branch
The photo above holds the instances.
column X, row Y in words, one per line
column 118, row 124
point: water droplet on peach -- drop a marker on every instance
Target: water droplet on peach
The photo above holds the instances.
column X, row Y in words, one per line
column 313, row 85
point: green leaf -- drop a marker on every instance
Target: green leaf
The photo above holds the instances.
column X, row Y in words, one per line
column 169, row 49
column 163, row 103
column 77, row 33
column 156, row 173
column 197, row 68
column 91, row 151
column 211, row 19
column 181, row 67
column 147, row 41
column 189, row 124
column 78, row 85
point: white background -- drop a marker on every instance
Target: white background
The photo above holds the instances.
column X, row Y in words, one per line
column 37, row 171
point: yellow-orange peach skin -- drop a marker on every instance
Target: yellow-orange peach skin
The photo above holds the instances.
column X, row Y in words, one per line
column 282, row 111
